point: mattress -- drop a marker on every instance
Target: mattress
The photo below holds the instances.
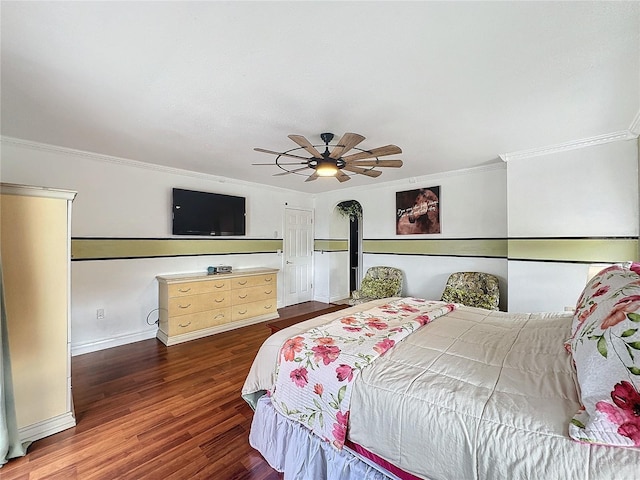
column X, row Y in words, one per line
column 476, row 394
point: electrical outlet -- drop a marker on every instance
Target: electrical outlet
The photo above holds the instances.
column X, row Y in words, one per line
column 100, row 313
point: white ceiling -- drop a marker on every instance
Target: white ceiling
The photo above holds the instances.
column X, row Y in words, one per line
column 198, row 85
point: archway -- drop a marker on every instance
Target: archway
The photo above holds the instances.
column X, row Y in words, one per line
column 352, row 210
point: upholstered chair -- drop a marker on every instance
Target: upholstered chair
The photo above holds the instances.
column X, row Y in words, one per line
column 378, row 282
column 473, row 289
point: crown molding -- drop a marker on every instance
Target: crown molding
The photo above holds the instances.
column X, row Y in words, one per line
column 414, row 181
column 177, row 171
column 573, row 145
column 99, row 157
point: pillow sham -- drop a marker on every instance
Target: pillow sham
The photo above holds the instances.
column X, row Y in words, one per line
column 605, row 346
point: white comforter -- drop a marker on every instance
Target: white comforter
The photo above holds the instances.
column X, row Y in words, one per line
column 475, row 394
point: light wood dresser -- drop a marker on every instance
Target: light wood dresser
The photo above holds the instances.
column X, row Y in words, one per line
column 196, row 305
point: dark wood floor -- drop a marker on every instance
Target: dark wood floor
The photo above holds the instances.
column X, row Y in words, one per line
column 145, row 411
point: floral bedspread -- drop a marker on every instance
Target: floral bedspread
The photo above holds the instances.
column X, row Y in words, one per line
column 317, row 368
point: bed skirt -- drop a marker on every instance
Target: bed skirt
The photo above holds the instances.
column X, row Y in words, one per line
column 291, row 448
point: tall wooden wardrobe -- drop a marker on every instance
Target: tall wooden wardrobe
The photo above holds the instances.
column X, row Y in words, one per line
column 35, row 243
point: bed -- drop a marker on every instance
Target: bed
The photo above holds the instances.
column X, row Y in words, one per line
column 473, row 394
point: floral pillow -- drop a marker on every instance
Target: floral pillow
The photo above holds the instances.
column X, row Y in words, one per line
column 605, row 346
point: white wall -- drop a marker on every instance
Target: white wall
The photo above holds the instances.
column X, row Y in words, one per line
column 331, row 273
column 331, row 276
column 473, row 205
column 534, row 197
column 545, row 286
column 124, row 199
column 132, row 199
column 587, row 192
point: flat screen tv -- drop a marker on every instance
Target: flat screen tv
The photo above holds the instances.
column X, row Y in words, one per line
column 209, row 214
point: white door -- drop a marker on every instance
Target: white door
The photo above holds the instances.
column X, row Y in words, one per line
column 298, row 255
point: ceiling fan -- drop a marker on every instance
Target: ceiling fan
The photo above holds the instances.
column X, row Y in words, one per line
column 333, row 163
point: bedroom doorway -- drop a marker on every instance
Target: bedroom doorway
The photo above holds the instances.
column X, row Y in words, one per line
column 354, row 253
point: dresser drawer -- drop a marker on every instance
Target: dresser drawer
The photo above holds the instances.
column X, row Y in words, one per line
column 253, row 309
column 254, row 281
column 198, row 321
column 198, row 303
column 252, row 294
column 194, row 288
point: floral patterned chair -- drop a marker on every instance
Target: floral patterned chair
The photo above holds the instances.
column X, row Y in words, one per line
column 473, row 289
column 378, row 282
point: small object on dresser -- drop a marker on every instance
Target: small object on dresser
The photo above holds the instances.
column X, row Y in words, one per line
column 223, row 269
column 211, row 270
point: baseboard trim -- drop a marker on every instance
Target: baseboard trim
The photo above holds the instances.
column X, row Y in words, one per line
column 42, row 429
column 338, row 298
column 111, row 342
column 330, row 299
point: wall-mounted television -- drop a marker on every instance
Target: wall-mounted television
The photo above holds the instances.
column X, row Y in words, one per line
column 208, row 214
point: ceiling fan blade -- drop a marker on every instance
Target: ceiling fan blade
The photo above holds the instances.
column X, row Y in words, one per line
column 342, row 177
column 362, row 171
column 376, row 152
column 312, row 177
column 304, row 143
column 278, row 153
column 292, row 163
column 290, row 171
column 376, row 163
column 346, row 143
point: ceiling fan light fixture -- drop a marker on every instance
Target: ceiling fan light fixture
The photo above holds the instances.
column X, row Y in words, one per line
column 334, row 162
column 326, row 169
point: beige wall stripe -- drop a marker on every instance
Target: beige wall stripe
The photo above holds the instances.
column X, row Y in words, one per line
column 553, row 249
column 104, row 248
column 574, row 250
column 453, row 247
column 331, row 245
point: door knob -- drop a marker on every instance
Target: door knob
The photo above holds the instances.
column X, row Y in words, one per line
column 289, row 262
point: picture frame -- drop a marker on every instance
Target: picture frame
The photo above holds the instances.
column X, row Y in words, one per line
column 418, row 211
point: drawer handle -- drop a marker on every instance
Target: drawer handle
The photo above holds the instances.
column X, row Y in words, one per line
column 243, row 296
column 268, row 307
column 219, row 301
column 186, row 306
column 242, row 282
column 183, row 326
column 182, row 290
column 242, row 312
column 267, row 279
column 219, row 286
column 268, row 293
column 219, row 316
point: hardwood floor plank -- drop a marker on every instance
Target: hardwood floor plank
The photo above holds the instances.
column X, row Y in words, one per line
column 147, row 462
column 146, row 411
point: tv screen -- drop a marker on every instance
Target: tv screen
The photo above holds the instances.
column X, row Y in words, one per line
column 210, row 214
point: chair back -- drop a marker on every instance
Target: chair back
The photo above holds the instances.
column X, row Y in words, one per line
column 473, row 289
column 379, row 282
